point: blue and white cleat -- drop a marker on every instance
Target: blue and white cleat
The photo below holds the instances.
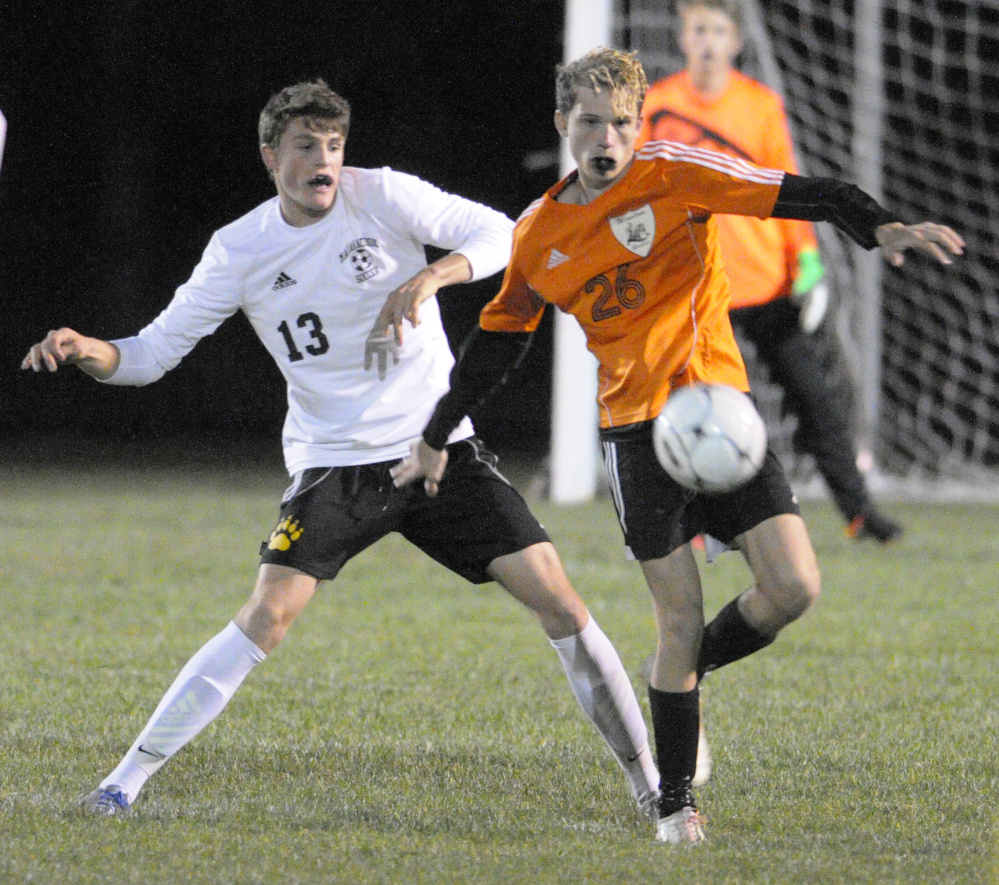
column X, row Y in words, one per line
column 107, row 801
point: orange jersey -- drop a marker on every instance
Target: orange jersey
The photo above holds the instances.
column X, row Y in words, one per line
column 639, row 269
column 747, row 120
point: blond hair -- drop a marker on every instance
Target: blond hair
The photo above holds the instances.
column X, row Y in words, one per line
column 620, row 72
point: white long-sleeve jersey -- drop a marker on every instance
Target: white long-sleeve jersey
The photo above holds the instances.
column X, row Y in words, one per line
column 313, row 293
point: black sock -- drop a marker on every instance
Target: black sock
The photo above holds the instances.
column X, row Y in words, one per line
column 727, row 638
column 676, row 720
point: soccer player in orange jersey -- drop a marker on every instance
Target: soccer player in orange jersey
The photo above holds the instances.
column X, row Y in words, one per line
column 628, row 245
column 778, row 295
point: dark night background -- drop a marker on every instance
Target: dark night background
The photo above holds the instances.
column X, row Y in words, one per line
column 132, row 137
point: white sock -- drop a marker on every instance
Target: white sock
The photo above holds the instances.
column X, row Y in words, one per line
column 604, row 691
column 198, row 694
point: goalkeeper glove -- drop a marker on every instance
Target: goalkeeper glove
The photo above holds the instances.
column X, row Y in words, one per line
column 810, row 292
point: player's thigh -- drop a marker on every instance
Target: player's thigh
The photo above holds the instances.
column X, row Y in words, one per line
column 476, row 517
column 677, row 597
column 279, row 596
column 536, row 578
column 783, row 562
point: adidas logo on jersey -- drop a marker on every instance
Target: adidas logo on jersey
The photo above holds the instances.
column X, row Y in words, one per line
column 556, row 258
column 283, row 281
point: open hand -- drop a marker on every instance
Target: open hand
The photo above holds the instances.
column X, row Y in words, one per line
column 936, row 240
column 423, row 461
column 404, row 303
column 65, row 346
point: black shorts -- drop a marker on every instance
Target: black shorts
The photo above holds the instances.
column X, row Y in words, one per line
column 330, row 514
column 658, row 515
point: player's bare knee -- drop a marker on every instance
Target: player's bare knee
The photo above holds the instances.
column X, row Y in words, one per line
column 559, row 610
column 811, row 587
column 265, row 622
column 563, row 623
column 535, row 577
column 797, row 592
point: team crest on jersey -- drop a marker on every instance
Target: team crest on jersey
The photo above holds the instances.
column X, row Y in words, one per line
column 362, row 260
column 635, row 230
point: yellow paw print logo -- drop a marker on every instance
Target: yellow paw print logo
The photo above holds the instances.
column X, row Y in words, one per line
column 287, row 531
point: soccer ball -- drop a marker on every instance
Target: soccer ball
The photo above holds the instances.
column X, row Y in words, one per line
column 710, row 438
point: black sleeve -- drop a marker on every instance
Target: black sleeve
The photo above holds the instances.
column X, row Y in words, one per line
column 486, row 360
column 854, row 212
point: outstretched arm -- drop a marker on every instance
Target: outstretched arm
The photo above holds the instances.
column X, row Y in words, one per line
column 97, row 358
column 860, row 216
column 486, row 360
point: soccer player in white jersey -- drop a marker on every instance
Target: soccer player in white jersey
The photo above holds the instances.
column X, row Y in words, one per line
column 326, row 272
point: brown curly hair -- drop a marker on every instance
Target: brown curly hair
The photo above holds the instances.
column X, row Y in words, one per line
column 312, row 100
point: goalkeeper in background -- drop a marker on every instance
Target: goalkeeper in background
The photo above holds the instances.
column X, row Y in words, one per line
column 778, row 294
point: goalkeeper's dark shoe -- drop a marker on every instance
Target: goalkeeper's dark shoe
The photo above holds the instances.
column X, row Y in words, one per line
column 872, row 524
column 106, row 802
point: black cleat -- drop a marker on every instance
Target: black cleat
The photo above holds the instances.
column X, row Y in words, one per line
column 872, row 524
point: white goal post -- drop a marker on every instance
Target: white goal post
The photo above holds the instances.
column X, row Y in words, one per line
column 3, row 136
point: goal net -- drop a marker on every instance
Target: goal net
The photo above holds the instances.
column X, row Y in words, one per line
column 899, row 97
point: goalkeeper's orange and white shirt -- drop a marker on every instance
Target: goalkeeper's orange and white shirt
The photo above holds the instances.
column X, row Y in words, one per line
column 747, row 121
column 640, row 270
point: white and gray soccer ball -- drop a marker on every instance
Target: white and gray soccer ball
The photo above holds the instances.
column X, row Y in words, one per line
column 710, row 438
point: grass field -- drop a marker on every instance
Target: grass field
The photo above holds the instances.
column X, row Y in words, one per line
column 415, row 729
